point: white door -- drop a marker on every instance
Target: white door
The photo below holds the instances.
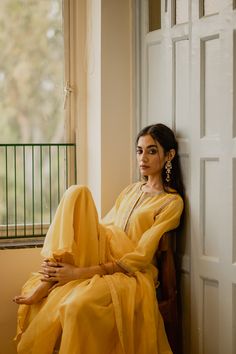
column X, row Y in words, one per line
column 188, row 81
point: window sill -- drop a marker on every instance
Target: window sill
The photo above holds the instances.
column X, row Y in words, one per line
column 23, row 243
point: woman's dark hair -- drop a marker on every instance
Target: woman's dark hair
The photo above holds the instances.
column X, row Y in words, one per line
column 167, row 140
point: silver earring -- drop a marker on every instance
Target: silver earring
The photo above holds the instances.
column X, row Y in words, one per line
column 168, row 167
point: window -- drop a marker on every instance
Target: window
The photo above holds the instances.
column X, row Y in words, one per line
column 37, row 165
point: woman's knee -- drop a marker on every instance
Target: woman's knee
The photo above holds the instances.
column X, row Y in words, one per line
column 77, row 187
column 77, row 192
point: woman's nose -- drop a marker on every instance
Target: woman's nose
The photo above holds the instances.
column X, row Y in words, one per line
column 144, row 157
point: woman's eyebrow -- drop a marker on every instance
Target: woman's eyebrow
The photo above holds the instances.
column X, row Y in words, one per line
column 148, row 147
column 151, row 146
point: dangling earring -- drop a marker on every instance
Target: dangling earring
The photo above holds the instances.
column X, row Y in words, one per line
column 168, row 167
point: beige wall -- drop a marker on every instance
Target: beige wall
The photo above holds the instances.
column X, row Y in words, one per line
column 15, row 268
column 106, row 139
column 117, row 141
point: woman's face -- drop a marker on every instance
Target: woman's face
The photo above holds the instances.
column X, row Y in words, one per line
column 150, row 156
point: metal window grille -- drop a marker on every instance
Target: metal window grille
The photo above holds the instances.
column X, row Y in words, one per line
column 33, row 178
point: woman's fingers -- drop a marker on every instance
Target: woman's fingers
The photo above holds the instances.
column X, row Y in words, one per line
column 52, row 264
column 49, row 270
column 45, row 276
column 49, row 280
column 60, row 272
column 49, row 274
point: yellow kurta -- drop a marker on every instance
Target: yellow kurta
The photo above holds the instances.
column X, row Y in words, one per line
column 111, row 314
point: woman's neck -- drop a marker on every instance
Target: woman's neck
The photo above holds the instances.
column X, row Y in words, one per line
column 154, row 184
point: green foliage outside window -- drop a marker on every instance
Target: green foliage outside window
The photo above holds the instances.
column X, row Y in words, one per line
column 31, row 109
column 31, row 71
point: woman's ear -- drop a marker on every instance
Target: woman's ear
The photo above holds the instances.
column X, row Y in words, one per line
column 170, row 154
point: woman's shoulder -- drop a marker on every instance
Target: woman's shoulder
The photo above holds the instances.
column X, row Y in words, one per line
column 173, row 194
column 128, row 191
column 173, row 199
column 135, row 186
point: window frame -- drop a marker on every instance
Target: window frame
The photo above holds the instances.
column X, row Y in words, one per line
column 69, row 18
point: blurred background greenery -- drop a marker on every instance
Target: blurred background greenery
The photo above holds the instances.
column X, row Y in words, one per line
column 31, row 111
column 31, row 71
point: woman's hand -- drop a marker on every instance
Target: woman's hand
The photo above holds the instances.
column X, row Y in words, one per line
column 61, row 273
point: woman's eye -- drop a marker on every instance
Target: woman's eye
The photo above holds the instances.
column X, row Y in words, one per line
column 139, row 152
column 152, row 151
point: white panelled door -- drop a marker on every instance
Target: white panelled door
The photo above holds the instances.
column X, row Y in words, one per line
column 188, row 82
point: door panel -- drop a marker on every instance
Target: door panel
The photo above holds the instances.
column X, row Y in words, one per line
column 210, row 207
column 210, row 85
column 210, row 323
column 181, row 87
column 210, row 7
column 156, row 76
column 182, row 11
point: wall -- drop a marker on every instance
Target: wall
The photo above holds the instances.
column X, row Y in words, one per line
column 109, row 99
column 15, row 268
column 117, row 143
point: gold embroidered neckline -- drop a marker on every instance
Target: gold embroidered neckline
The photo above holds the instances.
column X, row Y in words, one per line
column 150, row 194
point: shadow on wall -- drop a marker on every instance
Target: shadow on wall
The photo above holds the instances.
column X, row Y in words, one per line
column 15, row 268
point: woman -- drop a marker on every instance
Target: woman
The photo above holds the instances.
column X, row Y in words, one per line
column 96, row 288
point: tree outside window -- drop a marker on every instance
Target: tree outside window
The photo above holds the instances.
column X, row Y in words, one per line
column 31, row 71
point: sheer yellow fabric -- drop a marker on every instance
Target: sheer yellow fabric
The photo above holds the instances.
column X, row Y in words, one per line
column 111, row 314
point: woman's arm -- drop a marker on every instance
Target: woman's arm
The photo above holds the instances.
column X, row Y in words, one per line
column 62, row 273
